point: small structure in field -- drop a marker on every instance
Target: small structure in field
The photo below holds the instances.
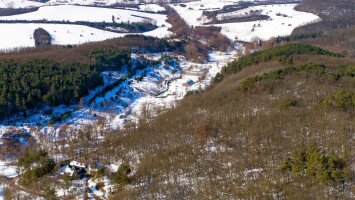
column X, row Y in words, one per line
column 88, row 165
column 188, row 84
column 79, row 168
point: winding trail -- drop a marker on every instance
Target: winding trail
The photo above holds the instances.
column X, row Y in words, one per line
column 15, row 184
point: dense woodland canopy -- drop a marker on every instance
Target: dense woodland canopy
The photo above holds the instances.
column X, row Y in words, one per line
column 38, row 82
column 111, row 59
column 53, row 75
column 282, row 54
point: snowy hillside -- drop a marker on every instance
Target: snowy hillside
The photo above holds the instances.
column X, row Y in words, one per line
column 283, row 20
column 21, row 35
column 63, row 34
column 160, row 85
column 176, row 99
column 156, row 86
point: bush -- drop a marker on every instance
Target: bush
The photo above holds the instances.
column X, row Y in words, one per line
column 341, row 99
column 321, row 166
column 290, row 103
column 100, row 186
column 100, row 172
column 121, row 176
column 59, row 118
column 36, row 164
column 30, row 157
column 203, row 130
column 38, row 82
column 273, row 75
column 106, row 89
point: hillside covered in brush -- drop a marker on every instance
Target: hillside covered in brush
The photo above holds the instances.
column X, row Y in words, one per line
column 274, row 121
column 269, row 130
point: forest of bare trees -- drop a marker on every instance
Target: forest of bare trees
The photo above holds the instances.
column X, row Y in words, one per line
column 275, row 124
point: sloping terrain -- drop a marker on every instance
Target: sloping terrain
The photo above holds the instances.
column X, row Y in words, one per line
column 275, row 123
column 233, row 139
column 72, row 22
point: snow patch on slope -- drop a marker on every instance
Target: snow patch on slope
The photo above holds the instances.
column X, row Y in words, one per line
column 7, row 170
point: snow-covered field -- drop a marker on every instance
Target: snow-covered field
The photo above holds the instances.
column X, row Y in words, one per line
column 21, row 34
column 277, row 25
column 29, row 3
column 151, row 8
column 161, row 86
column 92, row 2
column 84, row 2
column 18, row 4
column 74, row 13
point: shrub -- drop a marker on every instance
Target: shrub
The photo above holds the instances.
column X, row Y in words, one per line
column 121, row 176
column 100, row 186
column 319, row 165
column 50, row 193
column 340, row 99
column 59, row 118
column 100, row 172
column 36, row 164
column 203, row 130
column 287, row 103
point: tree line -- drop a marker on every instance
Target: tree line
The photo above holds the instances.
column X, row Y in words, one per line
column 118, row 27
column 39, row 82
column 281, row 53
